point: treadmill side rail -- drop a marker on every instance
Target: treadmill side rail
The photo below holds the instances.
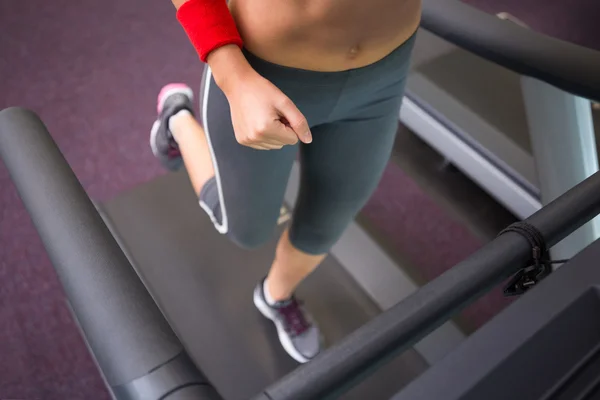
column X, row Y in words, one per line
column 544, row 346
column 400, row 327
column 178, row 378
column 123, row 327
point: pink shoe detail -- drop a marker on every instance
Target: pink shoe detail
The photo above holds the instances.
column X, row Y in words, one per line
column 169, row 89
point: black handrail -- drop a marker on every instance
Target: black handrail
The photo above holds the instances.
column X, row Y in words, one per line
column 137, row 352
column 400, row 327
column 570, row 67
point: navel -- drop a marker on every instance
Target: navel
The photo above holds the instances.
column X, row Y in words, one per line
column 353, row 52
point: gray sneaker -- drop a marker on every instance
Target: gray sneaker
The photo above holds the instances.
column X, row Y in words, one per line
column 299, row 336
column 172, row 99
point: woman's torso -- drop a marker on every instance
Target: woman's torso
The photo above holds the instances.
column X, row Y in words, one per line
column 325, row 35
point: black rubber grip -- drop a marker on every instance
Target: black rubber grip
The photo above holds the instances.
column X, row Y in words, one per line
column 570, row 67
column 400, row 327
column 124, row 328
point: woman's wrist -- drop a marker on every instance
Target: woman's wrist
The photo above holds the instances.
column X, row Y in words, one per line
column 228, row 66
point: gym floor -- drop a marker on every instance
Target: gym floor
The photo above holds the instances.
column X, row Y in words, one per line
column 92, row 70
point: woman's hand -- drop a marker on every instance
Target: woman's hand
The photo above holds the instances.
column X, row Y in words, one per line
column 263, row 117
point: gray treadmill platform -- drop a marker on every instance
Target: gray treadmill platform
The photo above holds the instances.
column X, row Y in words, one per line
column 544, row 346
column 203, row 284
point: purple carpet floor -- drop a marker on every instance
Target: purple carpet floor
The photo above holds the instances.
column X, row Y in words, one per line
column 91, row 70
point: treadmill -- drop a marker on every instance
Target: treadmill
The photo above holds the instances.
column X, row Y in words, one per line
column 507, row 106
column 163, row 302
column 172, row 328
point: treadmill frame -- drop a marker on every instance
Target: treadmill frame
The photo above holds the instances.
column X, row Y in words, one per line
column 107, row 296
column 105, row 293
column 561, row 160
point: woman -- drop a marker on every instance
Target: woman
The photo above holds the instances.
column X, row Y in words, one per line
column 320, row 78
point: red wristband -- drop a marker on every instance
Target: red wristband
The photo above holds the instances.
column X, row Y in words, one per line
column 209, row 25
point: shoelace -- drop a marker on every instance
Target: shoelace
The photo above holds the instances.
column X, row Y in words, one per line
column 173, row 152
column 294, row 319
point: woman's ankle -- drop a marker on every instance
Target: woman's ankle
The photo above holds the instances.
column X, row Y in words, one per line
column 275, row 292
column 180, row 123
column 290, row 267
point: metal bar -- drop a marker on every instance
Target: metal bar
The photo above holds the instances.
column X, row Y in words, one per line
column 128, row 335
column 568, row 66
column 564, row 149
column 397, row 329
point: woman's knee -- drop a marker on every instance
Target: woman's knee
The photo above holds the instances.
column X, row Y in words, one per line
column 314, row 240
column 250, row 239
column 246, row 230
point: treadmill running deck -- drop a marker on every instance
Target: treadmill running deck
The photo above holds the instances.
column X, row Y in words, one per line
column 203, row 284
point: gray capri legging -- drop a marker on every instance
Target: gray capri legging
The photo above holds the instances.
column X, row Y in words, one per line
column 353, row 117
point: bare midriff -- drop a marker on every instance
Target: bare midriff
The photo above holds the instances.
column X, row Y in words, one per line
column 325, row 35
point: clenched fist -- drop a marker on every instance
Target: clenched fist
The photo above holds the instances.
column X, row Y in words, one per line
column 263, row 117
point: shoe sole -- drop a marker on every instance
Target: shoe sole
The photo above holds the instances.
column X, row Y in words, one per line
column 284, row 339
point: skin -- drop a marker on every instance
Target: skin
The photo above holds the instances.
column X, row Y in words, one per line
column 320, row 35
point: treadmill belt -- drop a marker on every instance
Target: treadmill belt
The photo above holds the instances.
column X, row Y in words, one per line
column 203, row 284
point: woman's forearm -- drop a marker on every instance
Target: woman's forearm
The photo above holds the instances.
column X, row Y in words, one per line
column 213, row 33
column 228, row 66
